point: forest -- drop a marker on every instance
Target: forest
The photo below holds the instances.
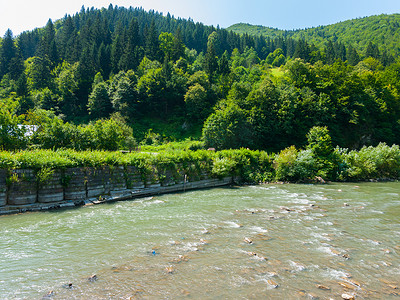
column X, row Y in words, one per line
column 115, row 78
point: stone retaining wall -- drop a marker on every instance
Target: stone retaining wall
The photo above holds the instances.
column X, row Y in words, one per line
column 3, row 188
column 21, row 190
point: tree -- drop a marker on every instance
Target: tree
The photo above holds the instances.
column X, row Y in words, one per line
column 104, row 60
column 227, row 128
column 10, row 59
column 372, row 51
column 112, row 134
column 67, row 86
column 178, row 48
column 197, row 107
column 320, row 143
column 124, row 99
column 302, row 50
column 301, row 73
column 166, row 41
column 11, row 134
column 48, row 46
column 38, row 74
column 151, row 42
column 330, row 53
column 84, row 77
column 352, row 56
column 131, row 56
column 223, row 64
column 211, row 60
column 99, row 105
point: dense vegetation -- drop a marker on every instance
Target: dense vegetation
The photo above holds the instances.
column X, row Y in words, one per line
column 112, row 78
column 316, row 161
column 381, row 31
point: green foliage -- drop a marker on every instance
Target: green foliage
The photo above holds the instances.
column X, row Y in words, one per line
column 276, row 58
column 111, row 134
column 197, row 105
column 12, row 135
column 382, row 30
column 320, row 145
column 99, row 105
column 36, row 159
column 223, row 167
column 249, row 166
column 43, row 175
column 104, row 134
column 372, row 163
column 320, row 142
column 284, row 164
column 170, row 75
column 227, row 128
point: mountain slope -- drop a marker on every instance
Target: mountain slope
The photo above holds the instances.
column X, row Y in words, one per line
column 382, row 30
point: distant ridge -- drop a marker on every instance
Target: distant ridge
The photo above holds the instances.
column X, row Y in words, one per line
column 382, row 30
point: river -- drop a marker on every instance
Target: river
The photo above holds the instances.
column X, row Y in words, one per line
column 255, row 242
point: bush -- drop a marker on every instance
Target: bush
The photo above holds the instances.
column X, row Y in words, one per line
column 373, row 163
column 284, row 164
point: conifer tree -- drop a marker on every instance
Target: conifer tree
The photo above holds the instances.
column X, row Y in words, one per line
column 104, row 60
column 48, row 46
column 8, row 53
column 178, row 48
column 352, row 56
column 151, row 42
column 67, row 38
column 372, row 51
column 131, row 56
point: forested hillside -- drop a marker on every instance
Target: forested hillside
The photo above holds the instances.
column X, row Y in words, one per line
column 382, row 31
column 111, row 78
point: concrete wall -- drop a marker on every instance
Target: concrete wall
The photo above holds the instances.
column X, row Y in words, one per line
column 3, row 188
column 21, row 191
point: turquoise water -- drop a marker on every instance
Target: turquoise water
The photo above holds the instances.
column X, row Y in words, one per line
column 257, row 242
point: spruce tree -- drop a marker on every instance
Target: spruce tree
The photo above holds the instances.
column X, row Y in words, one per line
column 151, row 42
column 372, row 51
column 48, row 46
column 8, row 52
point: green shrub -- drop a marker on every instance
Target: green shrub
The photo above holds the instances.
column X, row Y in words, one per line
column 373, row 163
column 284, row 164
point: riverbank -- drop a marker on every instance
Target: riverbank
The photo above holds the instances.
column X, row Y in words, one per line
column 45, row 179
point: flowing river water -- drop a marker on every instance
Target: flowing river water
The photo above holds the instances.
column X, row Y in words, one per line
column 256, row 242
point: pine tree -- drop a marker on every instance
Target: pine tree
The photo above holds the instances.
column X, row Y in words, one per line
column 302, row 50
column 178, row 48
column 104, row 60
column 48, row 46
column 372, row 51
column 67, row 37
column 352, row 56
column 151, row 42
column 8, row 52
column 117, row 51
column 131, row 56
column 223, row 64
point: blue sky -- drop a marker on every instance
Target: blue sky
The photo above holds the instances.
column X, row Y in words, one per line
column 20, row 15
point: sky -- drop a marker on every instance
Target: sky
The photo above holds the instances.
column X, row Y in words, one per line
column 21, row 15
